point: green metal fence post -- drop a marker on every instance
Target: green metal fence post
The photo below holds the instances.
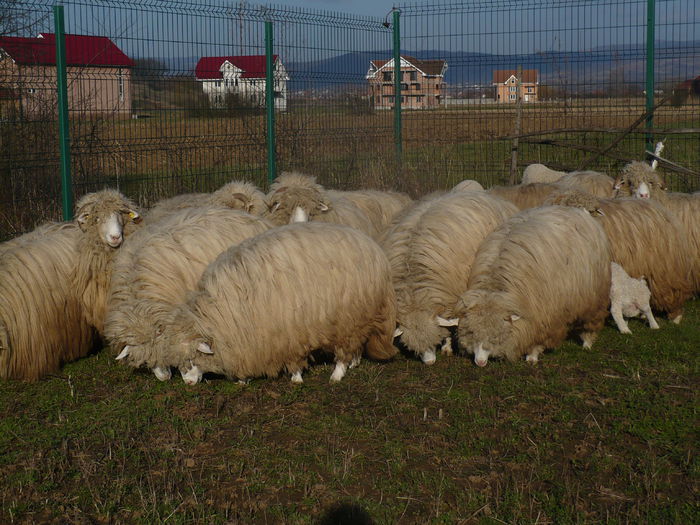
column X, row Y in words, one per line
column 63, row 128
column 270, row 104
column 396, row 26
column 651, row 21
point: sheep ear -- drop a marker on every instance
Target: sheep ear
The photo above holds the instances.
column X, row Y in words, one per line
column 398, row 332
column 599, row 211
column 272, row 206
column 133, row 215
column 242, row 198
column 324, row 206
column 204, row 348
column 441, row 321
column 123, row 353
column 82, row 219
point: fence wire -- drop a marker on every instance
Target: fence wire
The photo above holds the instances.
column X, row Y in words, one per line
column 167, row 97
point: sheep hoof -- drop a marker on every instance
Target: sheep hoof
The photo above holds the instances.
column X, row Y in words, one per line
column 339, row 372
column 428, row 357
column 654, row 326
column 163, row 373
column 624, row 331
column 296, row 377
column 532, row 359
column 355, row 361
column 677, row 319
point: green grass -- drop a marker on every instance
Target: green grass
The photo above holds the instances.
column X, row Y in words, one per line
column 609, row 435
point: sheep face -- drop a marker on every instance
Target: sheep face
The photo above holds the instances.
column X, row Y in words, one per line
column 192, row 373
column 293, row 204
column 105, row 214
column 638, row 180
column 488, row 330
column 575, row 198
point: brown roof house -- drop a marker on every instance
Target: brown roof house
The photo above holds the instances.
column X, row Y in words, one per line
column 422, row 83
column 506, row 84
column 98, row 73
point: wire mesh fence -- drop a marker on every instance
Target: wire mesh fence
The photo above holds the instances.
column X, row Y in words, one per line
column 169, row 96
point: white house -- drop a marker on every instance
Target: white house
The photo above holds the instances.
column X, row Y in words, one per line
column 241, row 75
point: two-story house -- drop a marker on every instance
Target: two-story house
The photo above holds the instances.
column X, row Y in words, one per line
column 98, row 74
column 244, row 76
column 506, row 83
column 422, row 83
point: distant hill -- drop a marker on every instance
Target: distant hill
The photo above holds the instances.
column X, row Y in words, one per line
column 585, row 69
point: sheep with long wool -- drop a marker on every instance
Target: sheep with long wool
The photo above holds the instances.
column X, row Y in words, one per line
column 155, row 278
column 295, row 197
column 646, row 240
column 525, row 195
column 431, row 253
column 379, row 206
column 640, row 180
column 237, row 195
column 52, row 286
column 540, row 173
column 264, row 306
column 543, row 273
column 593, row 182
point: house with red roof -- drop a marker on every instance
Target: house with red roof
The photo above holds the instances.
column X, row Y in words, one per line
column 244, row 76
column 506, row 83
column 98, row 73
column 422, row 83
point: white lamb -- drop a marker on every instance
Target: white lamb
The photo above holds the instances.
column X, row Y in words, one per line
column 629, row 298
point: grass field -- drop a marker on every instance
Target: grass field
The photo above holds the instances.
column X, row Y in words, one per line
column 602, row 436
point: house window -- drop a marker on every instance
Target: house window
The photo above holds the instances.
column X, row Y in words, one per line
column 412, row 75
column 31, row 90
column 512, row 97
column 404, row 87
column 419, row 98
column 386, row 76
column 416, row 87
column 529, row 90
column 218, row 83
column 120, row 83
column 235, row 82
column 513, row 89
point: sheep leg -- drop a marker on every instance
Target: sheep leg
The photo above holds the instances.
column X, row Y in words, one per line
column 616, row 311
column 446, row 348
column 296, row 377
column 355, row 361
column 588, row 339
column 339, row 372
column 534, row 354
column 646, row 311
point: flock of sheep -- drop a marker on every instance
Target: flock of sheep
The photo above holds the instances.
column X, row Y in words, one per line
column 246, row 284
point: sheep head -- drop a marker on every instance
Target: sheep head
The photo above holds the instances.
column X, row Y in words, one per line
column 106, row 216
column 638, row 179
column 487, row 328
column 296, row 204
column 240, row 196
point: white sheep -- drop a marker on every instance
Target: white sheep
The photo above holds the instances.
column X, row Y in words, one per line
column 629, row 298
column 540, row 173
column 542, row 273
column 52, row 286
column 295, row 197
column 152, row 280
column 593, row 182
column 431, row 252
column 641, row 181
column 467, row 185
column 379, row 206
column 263, row 306
column 237, row 195
column 525, row 195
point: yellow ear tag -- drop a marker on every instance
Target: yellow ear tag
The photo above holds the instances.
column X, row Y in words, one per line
column 133, row 215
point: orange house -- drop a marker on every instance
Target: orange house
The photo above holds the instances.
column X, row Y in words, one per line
column 422, row 83
column 506, row 83
column 98, row 74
